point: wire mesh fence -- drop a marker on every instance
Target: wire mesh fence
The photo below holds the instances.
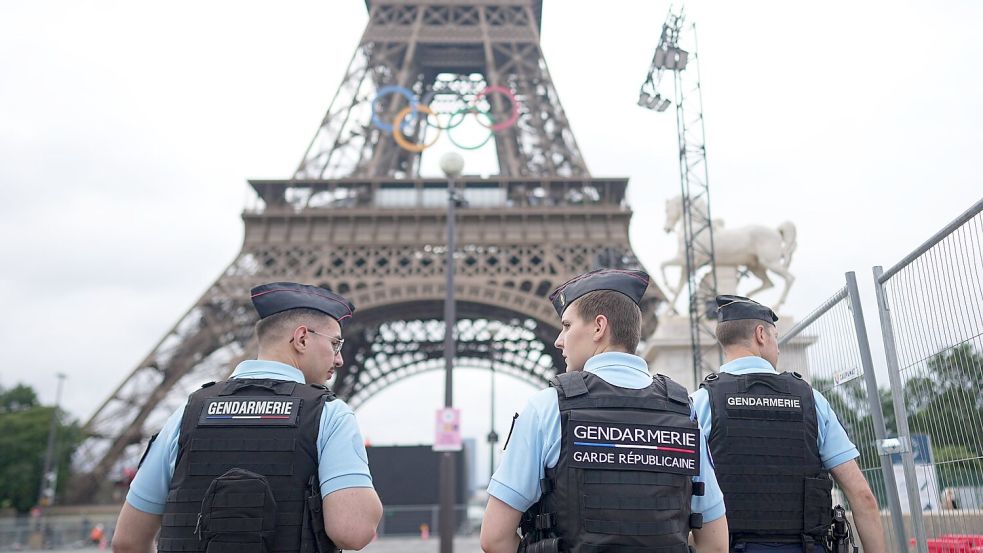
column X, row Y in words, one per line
column 830, row 347
column 424, row 520
column 56, row 532
column 70, row 532
column 930, row 314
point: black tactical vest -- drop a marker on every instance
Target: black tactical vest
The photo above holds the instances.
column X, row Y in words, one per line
column 239, row 441
column 623, row 482
column 763, row 438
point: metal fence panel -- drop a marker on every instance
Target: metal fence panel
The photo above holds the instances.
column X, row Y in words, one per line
column 837, row 356
column 932, row 324
column 53, row 532
column 411, row 520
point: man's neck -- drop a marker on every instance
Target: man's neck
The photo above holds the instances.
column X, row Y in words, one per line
column 607, row 348
column 277, row 357
column 734, row 353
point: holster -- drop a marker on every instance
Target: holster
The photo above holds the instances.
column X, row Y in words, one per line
column 534, row 538
column 840, row 532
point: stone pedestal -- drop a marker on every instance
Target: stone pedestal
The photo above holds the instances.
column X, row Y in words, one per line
column 668, row 350
column 727, row 277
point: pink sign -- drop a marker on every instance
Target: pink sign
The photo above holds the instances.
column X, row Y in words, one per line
column 448, row 431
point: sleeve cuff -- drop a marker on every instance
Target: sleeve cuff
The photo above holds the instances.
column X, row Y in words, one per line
column 838, row 460
column 508, row 496
column 142, row 504
column 715, row 512
column 345, row 481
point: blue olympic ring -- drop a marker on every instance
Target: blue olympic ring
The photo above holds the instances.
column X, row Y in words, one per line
column 385, row 91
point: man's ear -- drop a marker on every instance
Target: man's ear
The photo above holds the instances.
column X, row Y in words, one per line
column 760, row 335
column 600, row 325
column 299, row 338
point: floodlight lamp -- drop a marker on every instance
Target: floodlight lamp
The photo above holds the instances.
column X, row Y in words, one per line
column 649, row 101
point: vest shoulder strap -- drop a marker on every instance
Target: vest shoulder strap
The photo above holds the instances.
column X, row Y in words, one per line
column 569, row 385
column 321, row 389
column 674, row 390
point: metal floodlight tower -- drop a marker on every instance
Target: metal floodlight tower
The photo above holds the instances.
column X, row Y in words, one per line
column 697, row 223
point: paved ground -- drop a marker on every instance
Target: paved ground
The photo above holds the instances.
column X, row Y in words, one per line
column 384, row 545
column 416, row 545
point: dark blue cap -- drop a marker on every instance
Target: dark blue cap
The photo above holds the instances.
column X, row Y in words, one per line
column 629, row 283
column 276, row 297
column 738, row 308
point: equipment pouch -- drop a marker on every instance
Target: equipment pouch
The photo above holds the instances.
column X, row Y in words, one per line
column 238, row 514
column 816, row 510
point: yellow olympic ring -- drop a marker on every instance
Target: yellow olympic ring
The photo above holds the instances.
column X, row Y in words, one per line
column 401, row 139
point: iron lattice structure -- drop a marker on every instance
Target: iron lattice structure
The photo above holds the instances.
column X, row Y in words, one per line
column 356, row 218
column 670, row 56
column 418, row 45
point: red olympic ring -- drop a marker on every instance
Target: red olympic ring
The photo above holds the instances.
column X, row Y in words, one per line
column 508, row 94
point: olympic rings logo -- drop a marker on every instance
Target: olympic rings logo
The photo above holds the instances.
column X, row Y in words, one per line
column 405, row 118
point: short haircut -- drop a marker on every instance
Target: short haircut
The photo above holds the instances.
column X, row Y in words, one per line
column 279, row 326
column 624, row 317
column 731, row 333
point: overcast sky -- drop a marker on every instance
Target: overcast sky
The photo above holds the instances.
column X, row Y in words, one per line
column 128, row 130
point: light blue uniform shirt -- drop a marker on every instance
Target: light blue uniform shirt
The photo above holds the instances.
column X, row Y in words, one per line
column 535, row 441
column 341, row 459
column 835, row 447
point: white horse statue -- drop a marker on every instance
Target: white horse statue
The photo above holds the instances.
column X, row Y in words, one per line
column 757, row 247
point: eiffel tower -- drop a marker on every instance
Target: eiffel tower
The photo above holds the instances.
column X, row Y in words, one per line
column 356, row 217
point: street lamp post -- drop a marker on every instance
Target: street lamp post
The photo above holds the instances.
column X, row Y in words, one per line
column 49, row 476
column 492, row 435
column 452, row 164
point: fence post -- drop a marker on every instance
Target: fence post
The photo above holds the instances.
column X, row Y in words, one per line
column 874, row 402
column 900, row 413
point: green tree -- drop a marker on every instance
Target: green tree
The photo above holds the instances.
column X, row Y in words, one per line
column 18, row 398
column 957, row 466
column 887, row 407
column 24, row 426
column 944, row 402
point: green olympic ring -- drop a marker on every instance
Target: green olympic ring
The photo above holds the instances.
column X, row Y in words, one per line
column 476, row 112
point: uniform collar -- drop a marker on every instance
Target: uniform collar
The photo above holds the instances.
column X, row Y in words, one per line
column 616, row 360
column 261, row 368
column 747, row 365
